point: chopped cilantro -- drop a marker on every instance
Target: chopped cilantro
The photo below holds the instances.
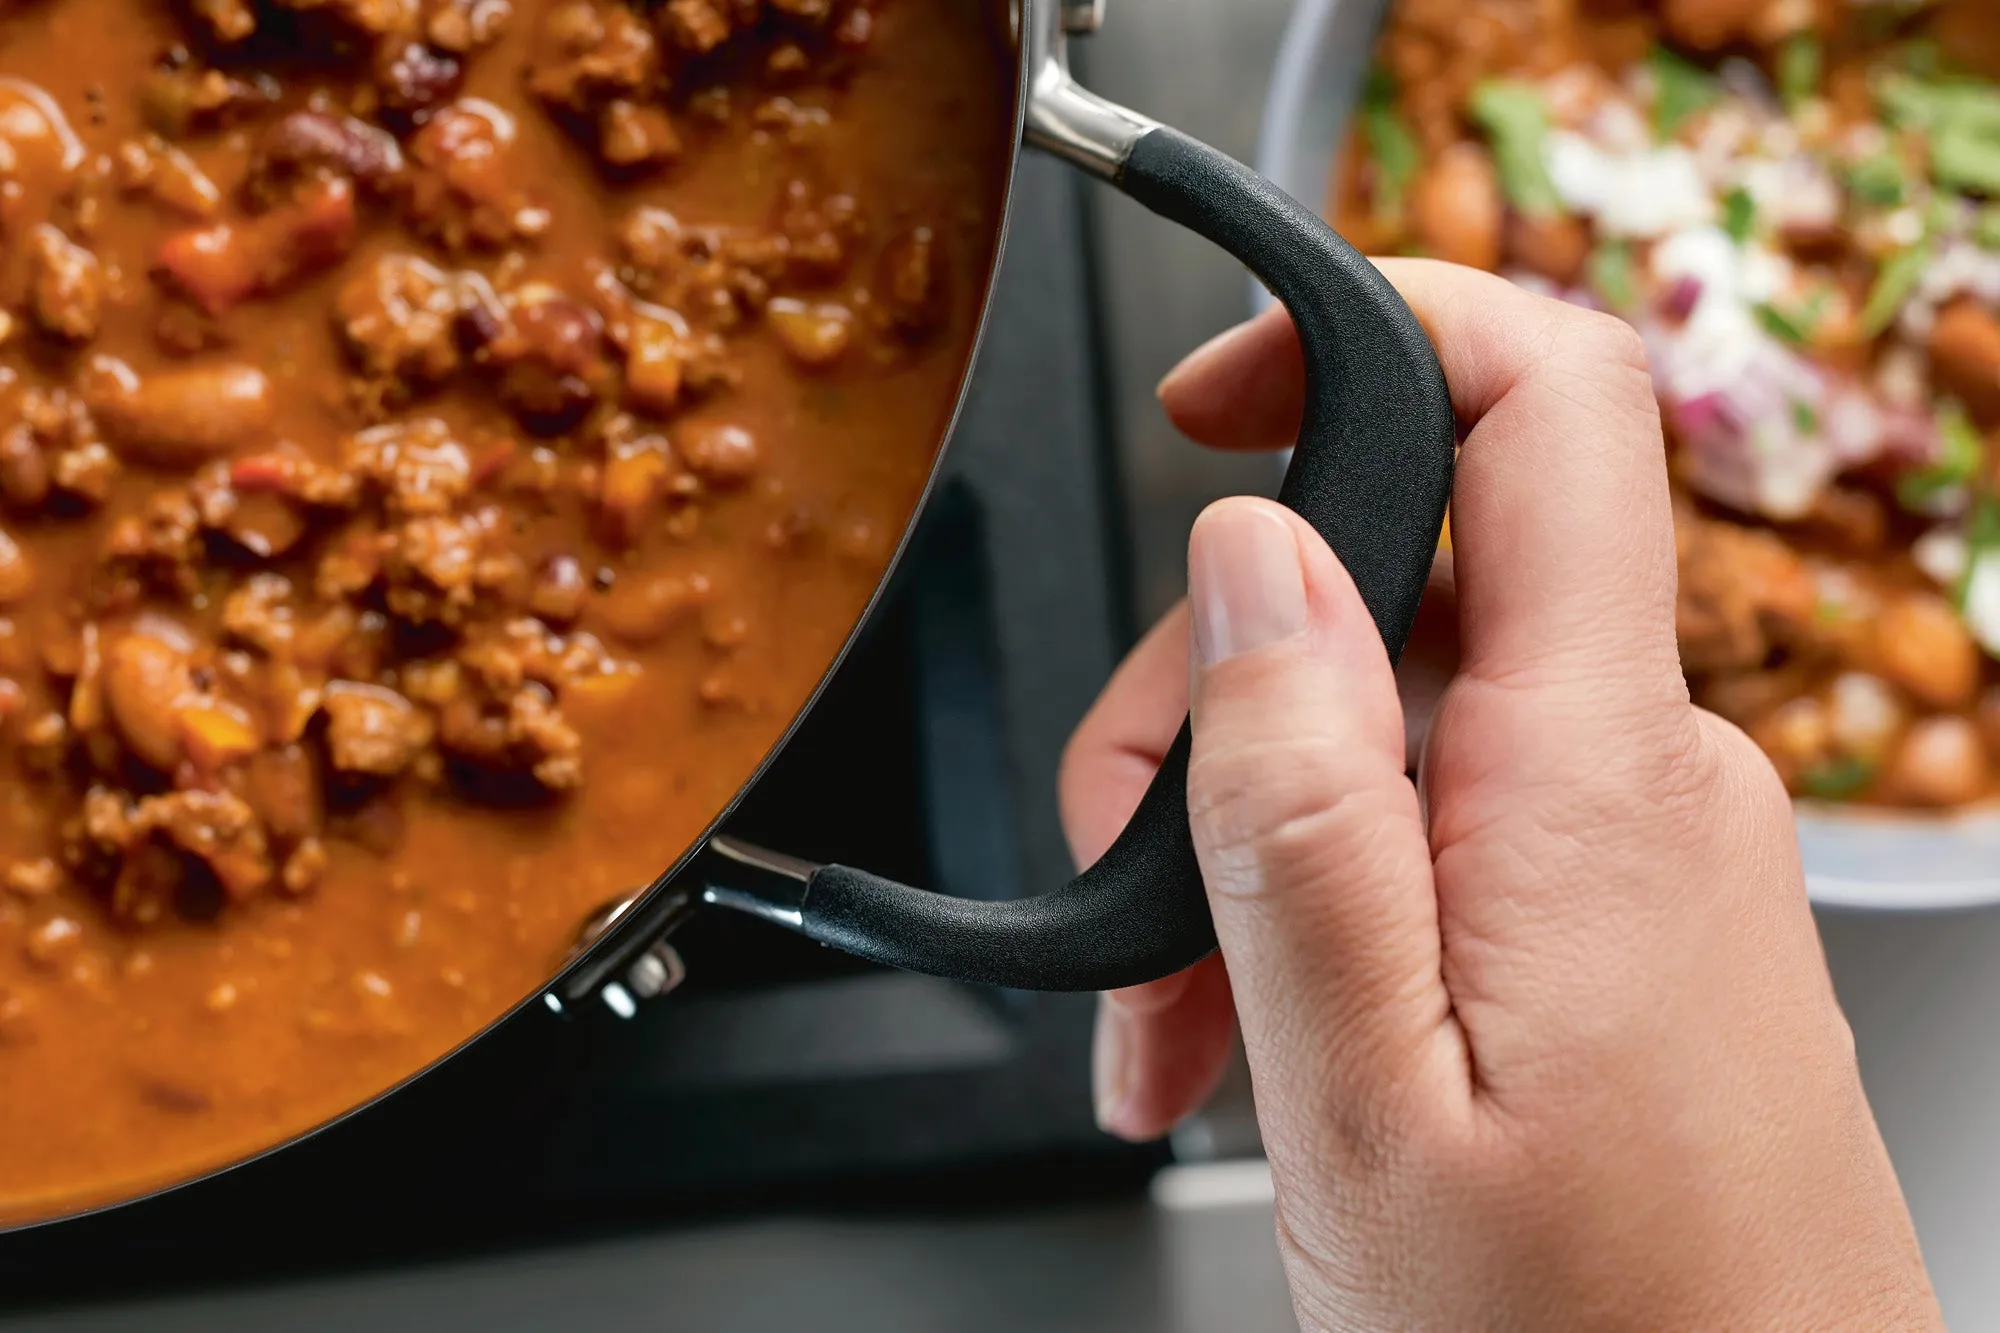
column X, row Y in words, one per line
column 1804, row 419
column 1982, row 538
column 1516, row 122
column 1612, row 276
column 1960, row 117
column 1682, row 88
column 1836, row 779
column 1986, row 229
column 1929, row 103
column 1879, row 180
column 1392, row 146
column 1964, row 157
column 1895, row 282
column 1739, row 215
column 1921, row 57
column 1960, row 462
column 1797, row 326
column 1801, row 62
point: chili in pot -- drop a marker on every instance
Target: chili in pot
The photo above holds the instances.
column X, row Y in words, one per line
column 445, row 444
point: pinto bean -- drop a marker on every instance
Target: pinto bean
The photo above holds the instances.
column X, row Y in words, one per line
column 812, row 335
column 1940, row 762
column 1965, row 357
column 1922, row 645
column 639, row 611
column 178, row 419
column 1457, row 208
column 41, row 153
column 1555, row 246
column 147, row 674
column 719, row 453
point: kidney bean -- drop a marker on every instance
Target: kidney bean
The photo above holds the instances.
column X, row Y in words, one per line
column 178, row 419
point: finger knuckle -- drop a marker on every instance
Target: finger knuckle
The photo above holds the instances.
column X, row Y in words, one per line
column 1283, row 811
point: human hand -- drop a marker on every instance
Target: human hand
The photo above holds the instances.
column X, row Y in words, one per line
column 1545, row 1039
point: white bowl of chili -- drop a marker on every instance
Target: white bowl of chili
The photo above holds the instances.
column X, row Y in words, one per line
column 1856, row 857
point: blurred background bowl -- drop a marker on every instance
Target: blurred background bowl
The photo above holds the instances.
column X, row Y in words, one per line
column 1863, row 859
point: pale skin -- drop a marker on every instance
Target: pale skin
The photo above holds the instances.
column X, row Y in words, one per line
column 1545, row 1039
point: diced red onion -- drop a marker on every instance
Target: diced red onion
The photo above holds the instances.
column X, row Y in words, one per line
column 1681, row 297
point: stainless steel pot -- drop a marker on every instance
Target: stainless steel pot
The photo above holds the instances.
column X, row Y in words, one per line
column 1372, row 473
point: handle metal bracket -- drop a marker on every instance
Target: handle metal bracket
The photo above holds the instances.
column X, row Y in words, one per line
column 1065, row 118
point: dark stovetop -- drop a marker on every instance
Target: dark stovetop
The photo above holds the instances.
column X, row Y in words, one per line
column 780, row 1073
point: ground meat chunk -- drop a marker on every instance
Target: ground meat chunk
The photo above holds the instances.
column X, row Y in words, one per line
column 590, row 53
column 49, row 442
column 635, row 136
column 34, row 879
column 912, row 284
column 84, row 474
column 229, row 20
column 502, row 658
column 464, row 190
column 398, row 315
column 218, row 828
column 158, row 549
column 66, row 286
column 718, row 275
column 152, row 166
column 260, row 612
column 372, row 730
column 261, row 523
column 436, row 567
column 304, row 867
column 819, row 231
column 696, row 26
column 524, row 734
column 460, row 26
column 118, row 843
column 417, row 466
column 288, row 472
column 414, row 78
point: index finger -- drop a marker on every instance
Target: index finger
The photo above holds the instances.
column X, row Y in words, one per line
column 1560, row 519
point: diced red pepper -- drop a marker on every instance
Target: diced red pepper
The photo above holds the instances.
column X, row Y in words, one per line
column 224, row 265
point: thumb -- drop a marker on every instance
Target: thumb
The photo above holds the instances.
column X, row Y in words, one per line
column 1310, row 838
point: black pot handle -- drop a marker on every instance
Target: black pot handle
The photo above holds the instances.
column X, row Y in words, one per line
column 1372, row 473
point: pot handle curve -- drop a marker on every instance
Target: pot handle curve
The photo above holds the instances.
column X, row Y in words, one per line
column 1372, row 474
